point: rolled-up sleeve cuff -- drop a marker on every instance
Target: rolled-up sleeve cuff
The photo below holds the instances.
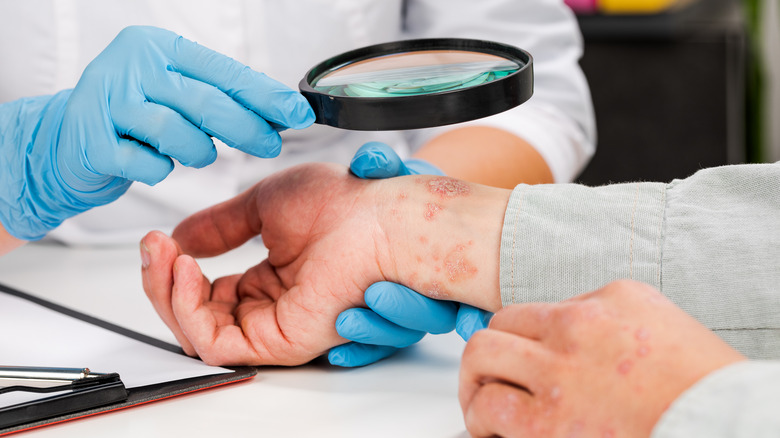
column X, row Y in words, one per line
column 561, row 240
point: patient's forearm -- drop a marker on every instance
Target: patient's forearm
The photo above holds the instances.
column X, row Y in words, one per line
column 486, row 155
column 444, row 237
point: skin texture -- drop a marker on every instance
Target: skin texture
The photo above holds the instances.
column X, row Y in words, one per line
column 8, row 242
column 486, row 155
column 330, row 235
column 603, row 364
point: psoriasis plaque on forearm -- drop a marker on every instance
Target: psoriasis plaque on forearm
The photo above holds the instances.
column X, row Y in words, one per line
column 454, row 265
column 446, row 187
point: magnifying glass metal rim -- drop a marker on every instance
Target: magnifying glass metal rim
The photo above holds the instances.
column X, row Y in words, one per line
column 422, row 110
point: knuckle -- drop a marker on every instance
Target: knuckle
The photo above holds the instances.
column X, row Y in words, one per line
column 135, row 32
column 625, row 289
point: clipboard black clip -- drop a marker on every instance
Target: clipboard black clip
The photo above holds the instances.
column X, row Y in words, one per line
column 72, row 389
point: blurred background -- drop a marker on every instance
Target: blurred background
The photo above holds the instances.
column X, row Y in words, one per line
column 680, row 85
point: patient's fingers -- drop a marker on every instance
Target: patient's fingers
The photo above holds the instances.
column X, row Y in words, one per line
column 219, row 228
column 216, row 340
column 530, row 320
column 498, row 409
column 158, row 253
column 493, row 355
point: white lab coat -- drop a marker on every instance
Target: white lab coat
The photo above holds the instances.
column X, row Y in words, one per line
column 45, row 45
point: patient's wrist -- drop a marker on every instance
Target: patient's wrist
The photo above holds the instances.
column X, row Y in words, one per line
column 444, row 238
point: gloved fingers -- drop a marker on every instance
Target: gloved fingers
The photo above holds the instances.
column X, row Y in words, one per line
column 375, row 160
column 269, row 98
column 366, row 327
column 131, row 160
column 217, row 114
column 470, row 319
column 416, row 166
column 407, row 308
column 165, row 130
column 357, row 355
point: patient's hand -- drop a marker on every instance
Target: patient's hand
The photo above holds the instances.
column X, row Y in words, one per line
column 606, row 363
column 322, row 236
column 329, row 236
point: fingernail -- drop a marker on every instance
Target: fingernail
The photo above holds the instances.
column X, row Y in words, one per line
column 146, row 257
column 175, row 270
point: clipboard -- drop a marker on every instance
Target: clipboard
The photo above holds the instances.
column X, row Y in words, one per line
column 114, row 395
column 77, row 396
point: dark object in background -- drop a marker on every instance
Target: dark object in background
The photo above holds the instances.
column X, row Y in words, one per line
column 668, row 91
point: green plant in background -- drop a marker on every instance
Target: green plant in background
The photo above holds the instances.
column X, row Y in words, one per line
column 755, row 82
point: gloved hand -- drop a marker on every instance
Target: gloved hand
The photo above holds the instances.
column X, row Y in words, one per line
column 375, row 160
column 397, row 316
column 150, row 97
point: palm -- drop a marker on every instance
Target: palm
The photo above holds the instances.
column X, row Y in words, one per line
column 322, row 242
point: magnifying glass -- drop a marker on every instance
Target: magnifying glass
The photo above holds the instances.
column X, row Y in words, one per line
column 419, row 83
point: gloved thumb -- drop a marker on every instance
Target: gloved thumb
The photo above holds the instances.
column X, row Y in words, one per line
column 375, row 160
column 470, row 319
column 416, row 166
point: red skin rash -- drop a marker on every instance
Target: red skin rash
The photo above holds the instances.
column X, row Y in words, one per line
column 642, row 335
column 454, row 265
column 446, row 187
column 434, row 290
column 457, row 266
column 431, row 210
column 625, row 366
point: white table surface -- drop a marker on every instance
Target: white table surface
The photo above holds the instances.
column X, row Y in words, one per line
column 411, row 394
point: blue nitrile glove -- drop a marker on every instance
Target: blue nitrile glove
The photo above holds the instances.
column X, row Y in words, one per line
column 375, row 160
column 150, row 97
column 397, row 316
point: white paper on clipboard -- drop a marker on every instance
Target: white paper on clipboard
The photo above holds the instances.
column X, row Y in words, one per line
column 33, row 335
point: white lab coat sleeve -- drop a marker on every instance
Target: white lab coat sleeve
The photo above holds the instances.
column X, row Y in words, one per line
column 558, row 121
column 711, row 243
column 740, row 400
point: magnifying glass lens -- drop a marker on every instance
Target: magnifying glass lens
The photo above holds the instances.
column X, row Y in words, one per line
column 422, row 83
column 414, row 73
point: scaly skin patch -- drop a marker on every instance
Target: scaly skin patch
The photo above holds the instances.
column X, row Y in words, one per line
column 431, row 210
column 458, row 267
column 447, row 187
column 434, row 290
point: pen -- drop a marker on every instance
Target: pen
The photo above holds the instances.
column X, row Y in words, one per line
column 43, row 377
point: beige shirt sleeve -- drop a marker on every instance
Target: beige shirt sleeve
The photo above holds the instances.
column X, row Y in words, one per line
column 741, row 400
column 711, row 243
